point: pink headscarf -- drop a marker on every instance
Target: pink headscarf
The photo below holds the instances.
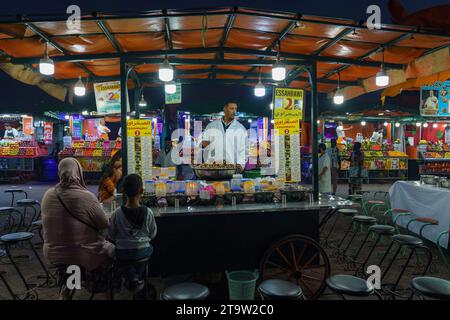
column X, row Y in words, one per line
column 70, row 174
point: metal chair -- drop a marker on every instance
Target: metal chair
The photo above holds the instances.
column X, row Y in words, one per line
column 13, row 192
column 26, row 204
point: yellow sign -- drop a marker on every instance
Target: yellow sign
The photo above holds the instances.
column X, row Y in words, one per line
column 288, row 103
column 139, row 128
column 287, row 126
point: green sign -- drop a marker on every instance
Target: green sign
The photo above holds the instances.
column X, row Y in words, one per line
column 175, row 97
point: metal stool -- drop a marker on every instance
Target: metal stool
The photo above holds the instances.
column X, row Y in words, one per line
column 430, row 287
column 275, row 289
column 345, row 285
column 441, row 253
column 119, row 265
column 14, row 238
column 29, row 204
column 357, row 221
column 345, row 212
column 379, row 230
column 13, row 192
column 37, row 225
column 185, row 291
column 14, row 217
column 399, row 213
column 414, row 244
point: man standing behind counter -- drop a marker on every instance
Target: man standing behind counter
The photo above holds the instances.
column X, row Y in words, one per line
column 226, row 139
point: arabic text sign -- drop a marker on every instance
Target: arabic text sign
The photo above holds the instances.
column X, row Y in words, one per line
column 435, row 100
column 287, row 126
column 107, row 97
column 139, row 128
column 288, row 103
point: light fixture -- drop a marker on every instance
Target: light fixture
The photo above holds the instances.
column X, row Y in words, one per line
column 250, row 120
column 445, row 125
column 340, row 128
column 382, row 78
column 347, row 113
column 79, row 89
column 128, row 117
column 397, row 125
column 142, row 102
column 425, row 125
column 46, row 65
column 318, row 121
column 278, row 69
column 418, row 124
column 66, row 117
column 338, row 96
column 170, row 87
column 435, row 125
column 85, row 113
column 363, row 123
column 155, row 120
column 260, row 90
column 385, row 124
column 165, row 71
column 272, row 121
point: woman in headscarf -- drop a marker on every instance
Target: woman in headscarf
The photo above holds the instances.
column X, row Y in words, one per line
column 74, row 222
column 111, row 178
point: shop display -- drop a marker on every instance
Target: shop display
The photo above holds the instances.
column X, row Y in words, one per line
column 19, row 149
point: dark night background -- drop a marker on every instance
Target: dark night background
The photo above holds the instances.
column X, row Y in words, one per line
column 17, row 96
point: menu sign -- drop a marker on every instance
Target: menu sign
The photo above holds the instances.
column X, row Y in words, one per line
column 435, row 100
column 287, row 126
column 139, row 149
column 288, row 103
column 288, row 160
column 107, row 97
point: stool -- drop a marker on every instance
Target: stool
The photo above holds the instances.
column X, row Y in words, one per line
column 345, row 212
column 14, row 238
column 37, row 225
column 29, row 203
column 426, row 222
column 275, row 289
column 441, row 253
column 13, row 192
column 370, row 205
column 414, row 244
column 380, row 231
column 62, row 277
column 8, row 287
column 357, row 221
column 119, row 265
column 13, row 215
column 345, row 285
column 430, row 287
column 399, row 212
column 185, row 291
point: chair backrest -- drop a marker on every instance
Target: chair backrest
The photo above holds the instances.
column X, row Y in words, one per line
column 10, row 221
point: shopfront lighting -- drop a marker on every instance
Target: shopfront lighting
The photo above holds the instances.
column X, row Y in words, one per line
column 170, row 87
column 46, row 65
column 66, row 117
column 397, row 125
column 382, row 78
column 165, row 71
column 363, row 123
column 418, row 124
column 142, row 102
column 260, row 90
column 425, row 125
column 79, row 89
column 385, row 124
column 435, row 125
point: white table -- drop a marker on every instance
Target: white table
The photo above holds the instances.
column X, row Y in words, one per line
column 423, row 201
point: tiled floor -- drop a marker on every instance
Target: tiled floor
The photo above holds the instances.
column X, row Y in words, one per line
column 216, row 283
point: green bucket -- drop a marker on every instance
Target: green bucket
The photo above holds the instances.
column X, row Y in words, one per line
column 242, row 284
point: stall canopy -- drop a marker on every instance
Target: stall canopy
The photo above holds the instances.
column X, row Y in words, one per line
column 225, row 45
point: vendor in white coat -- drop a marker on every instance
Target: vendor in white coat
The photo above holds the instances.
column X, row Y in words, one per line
column 226, row 139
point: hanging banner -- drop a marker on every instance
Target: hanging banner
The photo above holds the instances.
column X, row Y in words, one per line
column 175, row 97
column 107, row 97
column 48, row 132
column 288, row 103
column 139, row 148
column 435, row 100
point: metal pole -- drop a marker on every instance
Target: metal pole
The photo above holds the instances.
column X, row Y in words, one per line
column 123, row 114
column 314, row 117
column 137, row 97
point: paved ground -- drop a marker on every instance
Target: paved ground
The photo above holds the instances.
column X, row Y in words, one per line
column 216, row 283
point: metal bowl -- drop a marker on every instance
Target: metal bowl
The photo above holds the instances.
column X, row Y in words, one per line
column 214, row 174
column 445, row 183
column 429, row 180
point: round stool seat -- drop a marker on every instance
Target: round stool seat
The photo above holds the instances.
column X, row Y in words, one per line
column 14, row 190
column 365, row 219
column 382, row 229
column 350, row 285
column 400, row 211
column 4, row 210
column 432, row 287
column 26, row 202
column 427, row 220
column 348, row 212
column 186, row 291
column 280, row 289
column 407, row 240
column 16, row 237
column 376, row 202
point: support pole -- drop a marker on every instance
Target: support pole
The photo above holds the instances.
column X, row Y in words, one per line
column 314, row 117
column 137, row 98
column 123, row 114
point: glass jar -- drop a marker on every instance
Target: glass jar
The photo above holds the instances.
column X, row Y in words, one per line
column 191, row 188
column 249, row 186
column 220, row 188
column 161, row 188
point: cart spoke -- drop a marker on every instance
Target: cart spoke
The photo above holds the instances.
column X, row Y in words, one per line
column 302, row 253
column 311, row 259
column 278, row 266
column 271, row 275
column 294, row 259
column 283, row 257
column 304, row 276
column 320, row 266
column 307, row 287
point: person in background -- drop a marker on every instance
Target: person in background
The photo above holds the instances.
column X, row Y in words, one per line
column 324, row 170
column 132, row 228
column 74, row 223
column 110, row 181
column 10, row 132
column 103, row 130
column 164, row 159
column 335, row 159
column 355, row 169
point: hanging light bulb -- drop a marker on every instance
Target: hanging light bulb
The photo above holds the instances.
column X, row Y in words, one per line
column 67, row 117
column 142, row 102
column 170, row 87
column 435, row 125
column 425, row 125
column 250, row 120
column 397, row 125
column 340, row 128
column 272, row 121
column 46, row 65
column 363, row 123
column 418, row 124
column 165, row 71
column 278, row 69
column 260, row 90
column 338, row 96
column 318, row 121
column 382, row 78
column 79, row 89
column 385, row 124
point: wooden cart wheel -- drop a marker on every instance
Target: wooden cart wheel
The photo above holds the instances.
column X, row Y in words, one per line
column 298, row 259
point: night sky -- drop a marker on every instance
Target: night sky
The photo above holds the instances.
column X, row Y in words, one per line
column 16, row 95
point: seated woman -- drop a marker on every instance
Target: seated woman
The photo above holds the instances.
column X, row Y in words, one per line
column 132, row 228
column 73, row 221
column 111, row 178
